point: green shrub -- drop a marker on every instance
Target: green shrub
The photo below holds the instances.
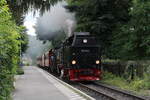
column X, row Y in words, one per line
column 108, row 75
column 20, row 71
column 137, row 84
column 9, row 51
column 141, row 83
column 111, row 79
column 147, row 80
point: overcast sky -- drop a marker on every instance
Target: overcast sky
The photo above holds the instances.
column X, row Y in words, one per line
column 30, row 22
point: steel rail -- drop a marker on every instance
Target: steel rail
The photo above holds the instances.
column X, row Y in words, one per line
column 102, row 94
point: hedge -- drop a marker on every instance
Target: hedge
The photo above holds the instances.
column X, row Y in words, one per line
column 9, row 51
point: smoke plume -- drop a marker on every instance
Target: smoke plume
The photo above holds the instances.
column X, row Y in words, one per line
column 70, row 27
column 50, row 24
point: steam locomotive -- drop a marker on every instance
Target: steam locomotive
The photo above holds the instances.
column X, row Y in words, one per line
column 77, row 59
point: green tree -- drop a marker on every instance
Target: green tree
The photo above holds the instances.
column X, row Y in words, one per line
column 9, row 50
column 24, row 39
column 99, row 17
column 132, row 40
column 21, row 7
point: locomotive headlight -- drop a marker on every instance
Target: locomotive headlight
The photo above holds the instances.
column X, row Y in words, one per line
column 84, row 40
column 97, row 62
column 73, row 62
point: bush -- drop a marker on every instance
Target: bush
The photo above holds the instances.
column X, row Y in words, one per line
column 137, row 84
column 20, row 71
column 112, row 79
column 9, row 51
column 140, row 84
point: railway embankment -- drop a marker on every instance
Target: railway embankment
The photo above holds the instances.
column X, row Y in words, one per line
column 130, row 75
column 102, row 91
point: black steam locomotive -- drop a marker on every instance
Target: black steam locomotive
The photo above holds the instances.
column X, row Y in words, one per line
column 77, row 59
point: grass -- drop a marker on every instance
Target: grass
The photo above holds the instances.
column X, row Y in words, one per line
column 138, row 86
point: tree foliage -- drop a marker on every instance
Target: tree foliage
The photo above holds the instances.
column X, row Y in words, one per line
column 122, row 26
column 100, row 17
column 132, row 40
column 21, row 7
column 9, row 50
column 24, row 39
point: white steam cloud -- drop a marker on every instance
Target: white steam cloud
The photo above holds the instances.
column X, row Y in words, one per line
column 55, row 20
column 70, row 26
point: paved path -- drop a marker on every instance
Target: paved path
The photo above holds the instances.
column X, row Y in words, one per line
column 34, row 85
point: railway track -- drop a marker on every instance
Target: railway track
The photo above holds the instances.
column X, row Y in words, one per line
column 98, row 95
column 103, row 92
column 90, row 91
column 127, row 95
